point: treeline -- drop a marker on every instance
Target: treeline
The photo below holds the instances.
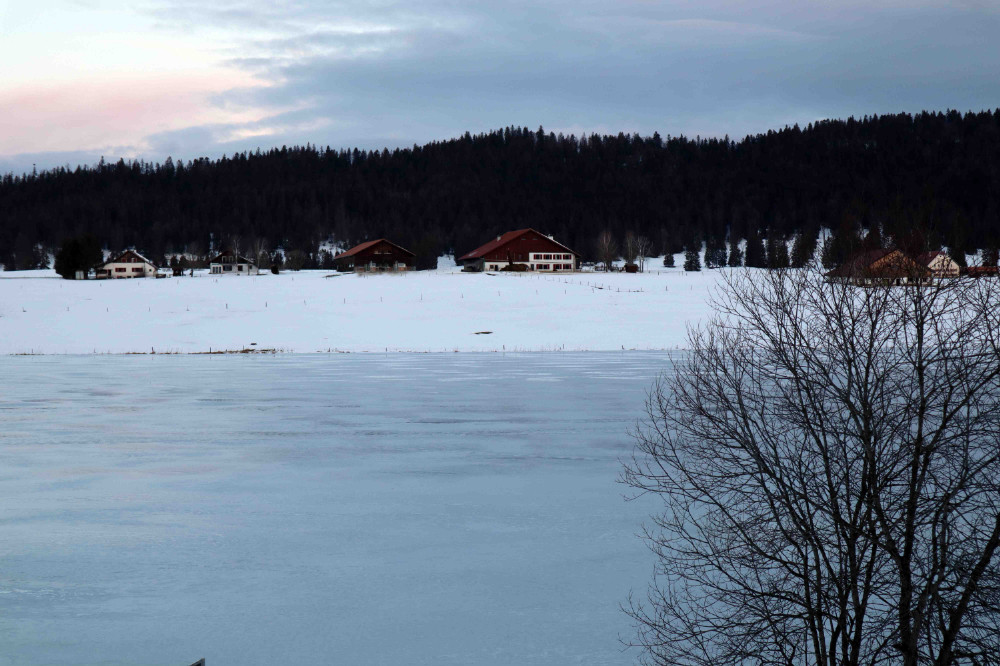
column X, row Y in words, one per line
column 936, row 172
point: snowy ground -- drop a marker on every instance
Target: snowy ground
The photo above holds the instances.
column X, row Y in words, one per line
column 313, row 509
column 311, row 311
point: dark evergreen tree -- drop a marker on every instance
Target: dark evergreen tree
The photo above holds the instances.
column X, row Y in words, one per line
column 803, row 248
column 735, row 255
column 78, row 254
column 873, row 239
column 668, row 260
column 756, row 257
column 777, row 251
column 692, row 262
column 68, row 259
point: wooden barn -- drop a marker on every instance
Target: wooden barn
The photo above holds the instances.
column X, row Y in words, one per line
column 128, row 264
column 882, row 267
column 527, row 247
column 376, row 255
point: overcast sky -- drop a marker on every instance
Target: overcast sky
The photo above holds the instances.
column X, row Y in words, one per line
column 84, row 78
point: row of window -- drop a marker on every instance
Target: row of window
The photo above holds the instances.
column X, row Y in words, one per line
column 549, row 257
column 122, row 269
column 538, row 267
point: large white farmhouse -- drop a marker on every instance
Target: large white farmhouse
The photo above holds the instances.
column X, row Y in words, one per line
column 128, row 264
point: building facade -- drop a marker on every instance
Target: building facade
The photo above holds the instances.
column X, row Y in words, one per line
column 527, row 247
column 128, row 264
column 228, row 262
column 376, row 255
column 939, row 264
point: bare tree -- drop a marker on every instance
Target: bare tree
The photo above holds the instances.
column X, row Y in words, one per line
column 643, row 247
column 828, row 458
column 236, row 245
column 607, row 249
column 258, row 249
column 630, row 250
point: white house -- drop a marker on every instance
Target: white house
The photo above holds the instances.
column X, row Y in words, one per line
column 128, row 264
column 939, row 264
column 228, row 262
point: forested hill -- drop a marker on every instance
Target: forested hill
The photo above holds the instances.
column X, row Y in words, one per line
column 936, row 171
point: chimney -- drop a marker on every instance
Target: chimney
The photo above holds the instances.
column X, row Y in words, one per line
column 498, row 238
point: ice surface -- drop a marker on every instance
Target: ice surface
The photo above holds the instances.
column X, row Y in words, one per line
column 311, row 509
column 311, row 311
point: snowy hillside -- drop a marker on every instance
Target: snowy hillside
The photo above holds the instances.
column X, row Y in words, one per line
column 310, row 311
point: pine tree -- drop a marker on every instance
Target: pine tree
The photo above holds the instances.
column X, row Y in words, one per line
column 777, row 251
column 735, row 254
column 691, row 260
column 803, row 248
column 668, row 260
column 755, row 255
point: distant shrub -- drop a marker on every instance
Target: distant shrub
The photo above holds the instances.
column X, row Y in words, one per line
column 515, row 268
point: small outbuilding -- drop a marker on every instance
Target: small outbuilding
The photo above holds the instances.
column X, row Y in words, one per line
column 128, row 264
column 526, row 247
column 373, row 256
column 228, row 262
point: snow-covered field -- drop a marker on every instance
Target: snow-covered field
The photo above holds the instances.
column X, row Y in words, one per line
column 311, row 311
column 319, row 509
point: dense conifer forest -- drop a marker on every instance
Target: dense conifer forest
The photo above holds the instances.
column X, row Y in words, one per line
column 938, row 173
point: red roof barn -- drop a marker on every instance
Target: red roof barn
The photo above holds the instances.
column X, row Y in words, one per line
column 376, row 255
column 524, row 246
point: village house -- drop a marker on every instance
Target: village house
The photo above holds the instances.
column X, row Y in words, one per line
column 527, row 247
column 939, row 264
column 128, row 264
column 880, row 267
column 376, row 255
column 228, row 262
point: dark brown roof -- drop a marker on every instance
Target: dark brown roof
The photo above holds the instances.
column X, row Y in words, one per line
column 858, row 263
column 863, row 264
column 364, row 246
column 503, row 240
column 240, row 259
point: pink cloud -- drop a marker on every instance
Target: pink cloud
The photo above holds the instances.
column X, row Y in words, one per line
column 89, row 114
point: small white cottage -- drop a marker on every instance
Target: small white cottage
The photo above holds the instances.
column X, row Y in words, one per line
column 228, row 262
column 939, row 264
column 128, row 264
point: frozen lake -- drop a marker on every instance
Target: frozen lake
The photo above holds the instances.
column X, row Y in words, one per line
column 401, row 509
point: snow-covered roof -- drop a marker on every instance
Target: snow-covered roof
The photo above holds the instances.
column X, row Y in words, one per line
column 122, row 255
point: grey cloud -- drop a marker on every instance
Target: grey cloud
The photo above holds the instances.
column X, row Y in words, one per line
column 394, row 73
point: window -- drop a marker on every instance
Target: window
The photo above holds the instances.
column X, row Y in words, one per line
column 228, row 268
column 119, row 269
column 137, row 269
